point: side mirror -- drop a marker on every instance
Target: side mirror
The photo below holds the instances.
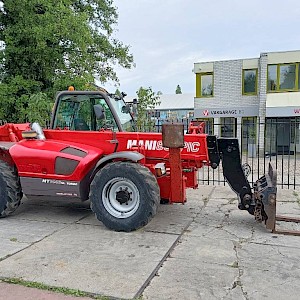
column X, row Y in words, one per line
column 126, row 109
column 99, row 111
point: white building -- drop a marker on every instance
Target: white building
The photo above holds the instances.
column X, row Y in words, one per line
column 172, row 106
column 257, row 92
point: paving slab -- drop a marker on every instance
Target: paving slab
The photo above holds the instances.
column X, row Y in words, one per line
column 202, row 192
column 16, row 235
column 183, row 279
column 34, row 220
column 288, row 195
column 25, row 231
column 179, row 216
column 60, row 211
column 223, row 192
column 272, row 258
column 10, row 246
column 174, row 218
column 258, row 284
column 291, row 208
column 270, row 271
column 201, row 250
column 91, row 259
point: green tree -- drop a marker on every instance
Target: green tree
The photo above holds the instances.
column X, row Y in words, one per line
column 178, row 89
column 117, row 92
column 50, row 44
column 147, row 101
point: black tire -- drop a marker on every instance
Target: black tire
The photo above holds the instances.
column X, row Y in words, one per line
column 10, row 189
column 124, row 196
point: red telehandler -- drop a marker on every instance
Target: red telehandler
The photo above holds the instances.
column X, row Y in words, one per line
column 92, row 152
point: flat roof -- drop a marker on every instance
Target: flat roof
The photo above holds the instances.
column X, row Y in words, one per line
column 171, row 101
column 289, row 52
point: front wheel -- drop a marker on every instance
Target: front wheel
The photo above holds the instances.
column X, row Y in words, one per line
column 124, row 196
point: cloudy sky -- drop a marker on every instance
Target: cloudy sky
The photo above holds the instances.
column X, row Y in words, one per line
column 168, row 36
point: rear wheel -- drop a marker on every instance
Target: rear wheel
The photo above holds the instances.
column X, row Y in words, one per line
column 124, row 196
column 10, row 189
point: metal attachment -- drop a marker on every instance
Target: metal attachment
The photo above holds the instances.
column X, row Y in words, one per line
column 265, row 210
column 173, row 135
column 287, row 219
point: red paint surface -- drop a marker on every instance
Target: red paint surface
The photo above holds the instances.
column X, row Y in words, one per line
column 36, row 158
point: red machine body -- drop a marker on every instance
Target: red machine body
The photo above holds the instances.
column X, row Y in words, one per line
column 196, row 127
column 40, row 159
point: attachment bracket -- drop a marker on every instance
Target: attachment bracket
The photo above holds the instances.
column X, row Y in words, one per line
column 265, row 191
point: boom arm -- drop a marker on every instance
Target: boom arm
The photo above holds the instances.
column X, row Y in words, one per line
column 227, row 151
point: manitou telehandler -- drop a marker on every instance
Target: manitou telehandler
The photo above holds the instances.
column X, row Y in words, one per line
column 92, row 152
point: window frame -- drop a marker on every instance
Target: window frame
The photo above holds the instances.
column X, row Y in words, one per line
column 256, row 82
column 296, row 83
column 199, row 86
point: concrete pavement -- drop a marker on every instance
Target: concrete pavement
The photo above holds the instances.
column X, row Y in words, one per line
column 206, row 249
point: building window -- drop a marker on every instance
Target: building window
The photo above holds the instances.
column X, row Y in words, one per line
column 249, row 132
column 282, row 135
column 228, row 127
column 250, row 82
column 283, row 77
column 272, row 77
column 287, row 77
column 204, row 85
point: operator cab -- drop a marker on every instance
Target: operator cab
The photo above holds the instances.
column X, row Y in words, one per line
column 91, row 111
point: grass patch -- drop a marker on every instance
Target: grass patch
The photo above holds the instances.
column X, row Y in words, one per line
column 62, row 290
column 13, row 239
column 4, row 257
column 297, row 197
column 235, row 265
column 232, row 200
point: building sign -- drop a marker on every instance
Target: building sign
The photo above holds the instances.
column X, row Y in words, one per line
column 283, row 111
column 226, row 112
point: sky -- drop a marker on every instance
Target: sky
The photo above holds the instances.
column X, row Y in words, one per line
column 167, row 37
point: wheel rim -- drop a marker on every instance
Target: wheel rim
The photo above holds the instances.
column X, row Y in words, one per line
column 121, row 197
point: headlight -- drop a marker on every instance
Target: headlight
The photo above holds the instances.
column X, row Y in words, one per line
column 160, row 169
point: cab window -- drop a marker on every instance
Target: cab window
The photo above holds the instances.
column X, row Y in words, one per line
column 77, row 113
